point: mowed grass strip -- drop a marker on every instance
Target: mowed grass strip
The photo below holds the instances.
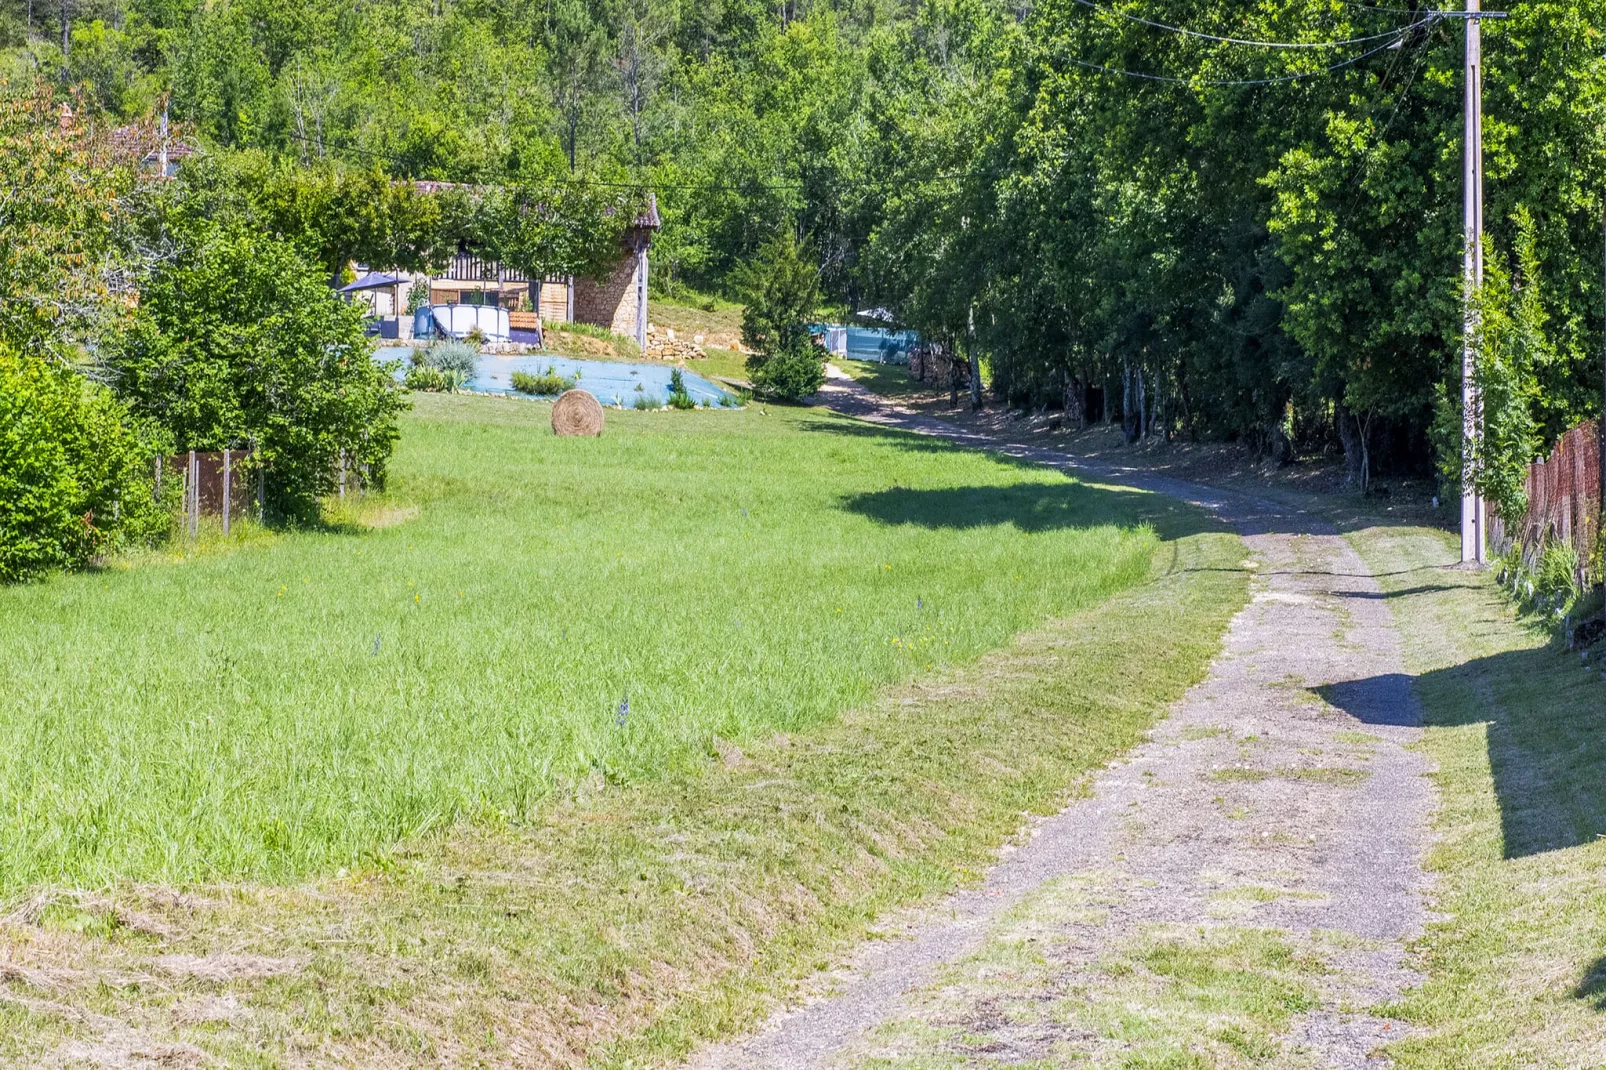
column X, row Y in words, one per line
column 622, row 923
column 306, row 701
column 889, row 380
column 1516, row 726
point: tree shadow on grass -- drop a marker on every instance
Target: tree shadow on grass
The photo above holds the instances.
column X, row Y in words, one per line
column 1544, row 721
column 1252, row 514
column 1031, row 507
column 1384, row 596
column 1592, row 988
column 908, row 440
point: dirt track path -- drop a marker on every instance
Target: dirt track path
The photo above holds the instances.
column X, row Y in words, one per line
column 1241, row 887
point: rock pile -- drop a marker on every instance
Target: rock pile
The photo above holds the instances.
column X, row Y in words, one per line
column 663, row 345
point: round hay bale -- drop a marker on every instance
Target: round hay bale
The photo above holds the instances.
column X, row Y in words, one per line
column 577, row 412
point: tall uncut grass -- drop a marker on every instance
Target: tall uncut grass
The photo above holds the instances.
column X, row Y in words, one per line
column 306, row 700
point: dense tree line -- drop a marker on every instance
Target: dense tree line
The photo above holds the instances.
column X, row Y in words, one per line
column 1276, row 262
column 1192, row 235
column 140, row 316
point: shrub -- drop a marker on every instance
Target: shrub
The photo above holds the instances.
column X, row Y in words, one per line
column 237, row 339
column 474, row 336
column 781, row 285
column 646, row 404
column 793, row 374
column 543, row 385
column 424, row 377
column 75, row 470
column 678, row 398
column 458, row 357
column 1556, row 578
column 417, row 297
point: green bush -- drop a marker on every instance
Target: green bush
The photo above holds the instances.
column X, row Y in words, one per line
column 782, row 286
column 1556, row 578
column 460, row 357
column 545, row 385
column 678, row 398
column 238, row 341
column 793, row 374
column 75, row 470
column 426, row 378
column 647, row 404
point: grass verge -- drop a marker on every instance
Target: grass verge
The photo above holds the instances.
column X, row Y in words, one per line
column 1517, row 728
column 556, row 608
column 888, row 380
column 591, row 883
column 624, row 924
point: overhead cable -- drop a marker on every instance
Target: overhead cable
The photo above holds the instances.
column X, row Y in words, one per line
column 1184, row 31
column 1394, row 39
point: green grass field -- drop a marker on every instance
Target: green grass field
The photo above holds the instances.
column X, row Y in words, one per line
column 1516, row 728
column 366, row 792
column 305, row 701
column 888, row 380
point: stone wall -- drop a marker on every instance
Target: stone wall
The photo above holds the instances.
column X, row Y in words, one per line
column 610, row 303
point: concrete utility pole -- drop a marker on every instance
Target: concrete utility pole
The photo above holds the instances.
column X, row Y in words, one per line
column 1472, row 509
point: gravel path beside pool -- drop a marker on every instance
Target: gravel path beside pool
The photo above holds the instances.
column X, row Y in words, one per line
column 1240, row 890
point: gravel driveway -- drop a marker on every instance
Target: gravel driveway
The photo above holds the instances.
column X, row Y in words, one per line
column 1237, row 891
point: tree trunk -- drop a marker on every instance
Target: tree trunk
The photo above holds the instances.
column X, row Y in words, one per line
column 975, row 362
column 1349, row 434
column 1157, row 424
column 1075, row 409
column 1365, row 424
column 1131, row 417
column 1143, row 407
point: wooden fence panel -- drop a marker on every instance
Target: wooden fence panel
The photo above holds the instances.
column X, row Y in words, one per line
column 1563, row 496
column 208, row 487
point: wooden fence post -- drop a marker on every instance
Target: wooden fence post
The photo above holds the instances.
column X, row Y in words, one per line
column 228, row 486
column 195, row 496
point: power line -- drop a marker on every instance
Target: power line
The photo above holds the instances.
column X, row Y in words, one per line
column 1388, row 10
column 570, row 180
column 1394, row 39
column 1184, row 31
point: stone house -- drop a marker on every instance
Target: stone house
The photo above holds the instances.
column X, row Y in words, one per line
column 617, row 302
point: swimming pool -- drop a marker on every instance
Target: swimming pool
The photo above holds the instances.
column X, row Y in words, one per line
column 613, row 382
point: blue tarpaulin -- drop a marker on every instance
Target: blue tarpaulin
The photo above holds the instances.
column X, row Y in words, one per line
column 874, row 344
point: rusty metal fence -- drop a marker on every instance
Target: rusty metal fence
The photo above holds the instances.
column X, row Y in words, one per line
column 217, row 484
column 1563, row 498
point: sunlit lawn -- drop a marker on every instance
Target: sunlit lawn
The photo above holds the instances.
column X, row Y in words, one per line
column 888, row 380
column 304, row 701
